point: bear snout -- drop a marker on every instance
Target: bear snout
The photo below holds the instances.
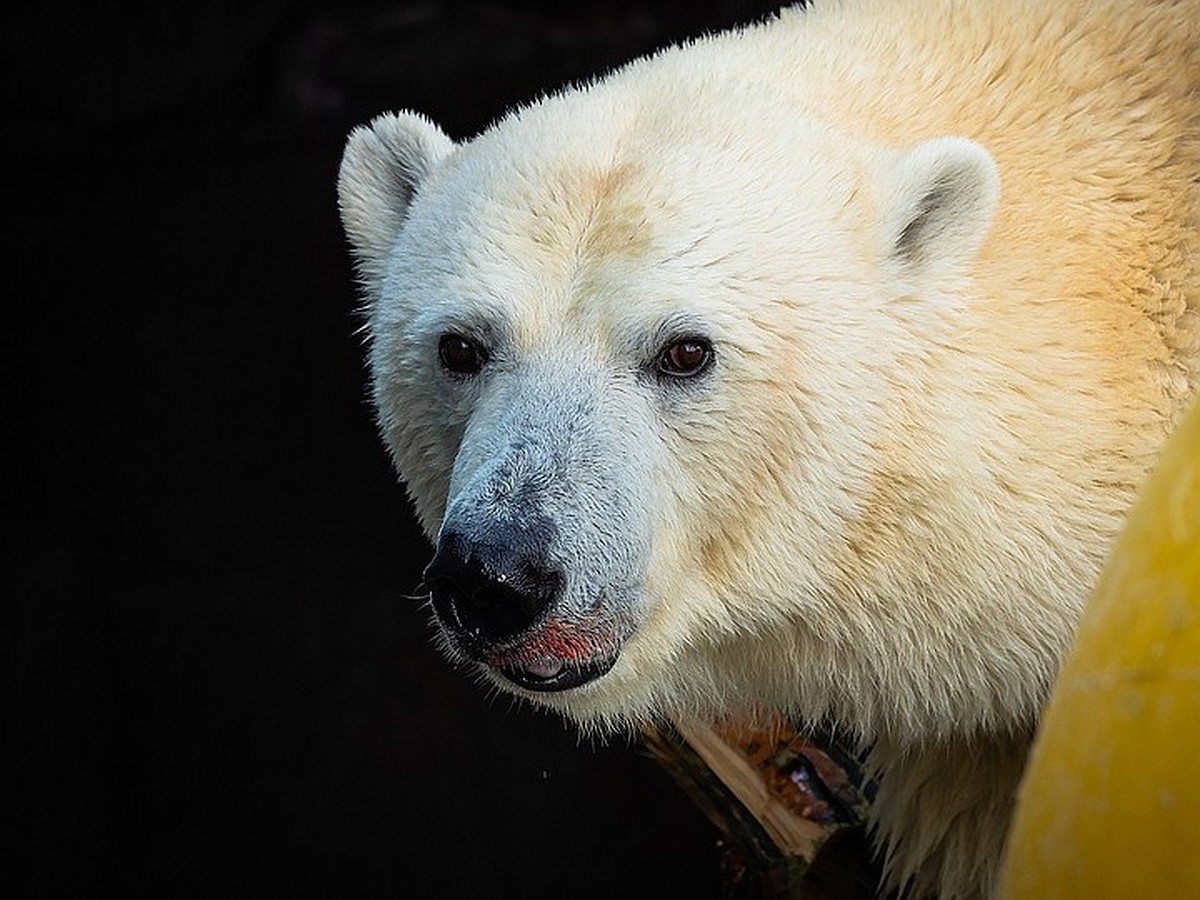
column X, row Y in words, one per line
column 488, row 591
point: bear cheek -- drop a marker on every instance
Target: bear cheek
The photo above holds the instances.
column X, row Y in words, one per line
column 422, row 451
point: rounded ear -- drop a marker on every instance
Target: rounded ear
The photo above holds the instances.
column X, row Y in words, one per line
column 382, row 167
column 939, row 201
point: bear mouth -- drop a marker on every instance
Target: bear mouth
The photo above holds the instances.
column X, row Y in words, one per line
column 550, row 675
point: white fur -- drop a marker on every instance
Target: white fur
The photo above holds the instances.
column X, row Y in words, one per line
column 947, row 254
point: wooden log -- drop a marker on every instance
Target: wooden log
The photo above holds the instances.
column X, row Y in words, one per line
column 790, row 806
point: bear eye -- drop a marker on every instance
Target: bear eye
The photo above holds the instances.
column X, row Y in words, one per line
column 460, row 355
column 684, row 358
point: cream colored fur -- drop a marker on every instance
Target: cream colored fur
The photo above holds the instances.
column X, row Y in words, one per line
column 892, row 505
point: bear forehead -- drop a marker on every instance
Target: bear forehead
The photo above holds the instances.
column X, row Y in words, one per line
column 595, row 212
column 594, row 160
column 606, row 223
column 564, row 253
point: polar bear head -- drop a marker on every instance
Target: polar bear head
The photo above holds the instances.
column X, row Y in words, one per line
column 635, row 366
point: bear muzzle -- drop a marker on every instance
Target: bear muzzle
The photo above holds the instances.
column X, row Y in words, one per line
column 496, row 599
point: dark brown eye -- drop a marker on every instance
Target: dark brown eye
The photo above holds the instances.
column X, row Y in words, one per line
column 684, row 358
column 461, row 355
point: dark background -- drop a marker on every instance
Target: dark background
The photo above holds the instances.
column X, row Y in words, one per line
column 217, row 688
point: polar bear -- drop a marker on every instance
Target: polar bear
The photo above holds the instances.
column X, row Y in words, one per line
column 809, row 367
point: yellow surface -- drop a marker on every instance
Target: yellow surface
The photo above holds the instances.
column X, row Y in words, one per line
column 1110, row 805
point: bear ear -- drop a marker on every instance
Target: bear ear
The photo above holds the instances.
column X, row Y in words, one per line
column 382, row 167
column 940, row 199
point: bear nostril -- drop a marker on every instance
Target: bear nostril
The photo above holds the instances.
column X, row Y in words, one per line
column 488, row 613
column 488, row 592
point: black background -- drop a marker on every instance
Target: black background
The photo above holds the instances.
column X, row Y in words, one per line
column 216, row 686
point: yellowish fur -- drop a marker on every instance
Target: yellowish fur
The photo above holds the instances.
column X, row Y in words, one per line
column 1079, row 348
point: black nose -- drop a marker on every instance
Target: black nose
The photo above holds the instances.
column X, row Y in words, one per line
column 487, row 591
